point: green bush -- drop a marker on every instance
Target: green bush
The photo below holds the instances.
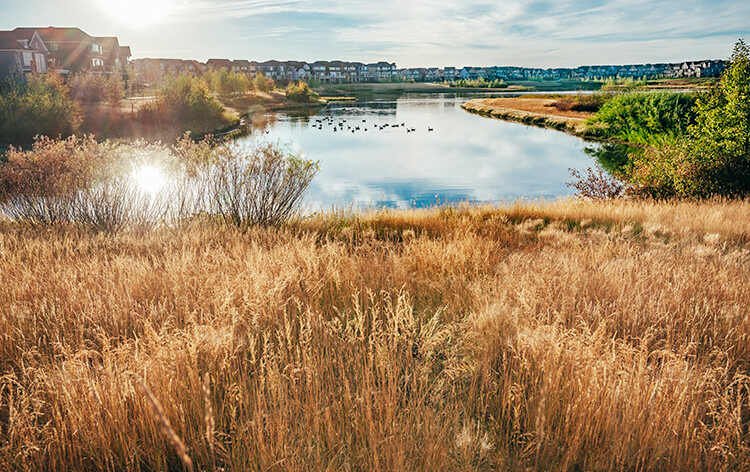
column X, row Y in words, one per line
column 228, row 83
column 714, row 157
column 263, row 83
column 39, row 106
column 645, row 118
column 93, row 87
column 183, row 100
column 300, row 92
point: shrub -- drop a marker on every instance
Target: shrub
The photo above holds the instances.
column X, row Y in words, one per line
column 39, row 106
column 92, row 87
column 300, row 92
column 183, row 100
column 645, row 118
column 228, row 83
column 596, row 184
column 263, row 83
column 78, row 181
column 259, row 184
column 714, row 157
column 584, row 103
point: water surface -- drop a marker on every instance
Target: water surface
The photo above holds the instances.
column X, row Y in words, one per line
column 465, row 158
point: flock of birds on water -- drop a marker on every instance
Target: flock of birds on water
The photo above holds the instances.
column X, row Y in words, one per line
column 343, row 126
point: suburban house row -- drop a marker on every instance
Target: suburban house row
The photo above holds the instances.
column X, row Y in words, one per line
column 150, row 70
column 325, row 71
column 63, row 50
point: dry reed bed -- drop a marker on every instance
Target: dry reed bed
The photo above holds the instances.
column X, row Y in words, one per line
column 564, row 336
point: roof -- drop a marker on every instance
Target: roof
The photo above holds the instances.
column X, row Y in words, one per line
column 9, row 40
column 109, row 42
column 53, row 34
column 219, row 62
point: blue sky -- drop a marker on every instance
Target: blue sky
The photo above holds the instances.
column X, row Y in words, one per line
column 544, row 33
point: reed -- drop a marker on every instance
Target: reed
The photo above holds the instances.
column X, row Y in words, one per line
column 558, row 336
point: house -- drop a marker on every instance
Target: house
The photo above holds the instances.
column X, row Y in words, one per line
column 241, row 66
column 70, row 49
column 219, row 64
column 272, row 69
column 21, row 54
column 297, row 70
column 319, row 71
column 115, row 56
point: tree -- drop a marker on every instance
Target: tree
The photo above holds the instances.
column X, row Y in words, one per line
column 714, row 157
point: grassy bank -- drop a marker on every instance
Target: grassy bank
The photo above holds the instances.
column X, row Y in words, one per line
column 565, row 336
column 531, row 111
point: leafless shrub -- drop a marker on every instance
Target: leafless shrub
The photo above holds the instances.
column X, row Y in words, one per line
column 596, row 184
column 257, row 184
column 102, row 186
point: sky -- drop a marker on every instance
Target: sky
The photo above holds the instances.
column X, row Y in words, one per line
column 416, row 33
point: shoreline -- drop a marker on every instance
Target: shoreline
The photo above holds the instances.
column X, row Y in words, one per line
column 568, row 124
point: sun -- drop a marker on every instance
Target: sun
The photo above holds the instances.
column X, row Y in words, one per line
column 150, row 179
column 138, row 12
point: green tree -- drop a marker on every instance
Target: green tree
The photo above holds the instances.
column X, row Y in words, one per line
column 714, row 158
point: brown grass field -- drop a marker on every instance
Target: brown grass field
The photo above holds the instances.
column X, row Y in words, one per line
column 567, row 336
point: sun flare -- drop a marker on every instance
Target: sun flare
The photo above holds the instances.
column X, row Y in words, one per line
column 138, row 12
column 149, row 179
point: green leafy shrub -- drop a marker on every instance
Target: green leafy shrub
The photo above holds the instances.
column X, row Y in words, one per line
column 186, row 101
column 93, row 87
column 714, row 157
column 645, row 118
column 39, row 106
column 262, row 83
column 300, row 92
column 228, row 83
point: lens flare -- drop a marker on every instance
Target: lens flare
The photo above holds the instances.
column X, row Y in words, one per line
column 149, row 179
column 138, row 12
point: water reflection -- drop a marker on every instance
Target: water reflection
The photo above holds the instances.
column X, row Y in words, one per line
column 613, row 157
column 465, row 158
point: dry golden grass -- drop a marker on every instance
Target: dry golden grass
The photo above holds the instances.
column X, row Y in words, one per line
column 563, row 336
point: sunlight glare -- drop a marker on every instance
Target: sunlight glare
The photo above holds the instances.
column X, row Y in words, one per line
column 149, row 179
column 138, row 12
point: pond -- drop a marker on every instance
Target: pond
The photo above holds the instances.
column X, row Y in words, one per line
column 422, row 150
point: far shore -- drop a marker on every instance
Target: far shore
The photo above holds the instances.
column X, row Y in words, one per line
column 532, row 111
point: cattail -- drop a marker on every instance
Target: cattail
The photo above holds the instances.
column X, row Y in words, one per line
column 210, row 422
column 166, row 426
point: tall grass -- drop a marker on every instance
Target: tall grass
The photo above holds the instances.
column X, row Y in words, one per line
column 566, row 336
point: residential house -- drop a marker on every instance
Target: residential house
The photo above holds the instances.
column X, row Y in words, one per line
column 319, row 71
column 21, row 54
column 70, row 49
column 219, row 64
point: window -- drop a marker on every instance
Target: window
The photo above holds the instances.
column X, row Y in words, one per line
column 53, row 47
column 27, row 58
column 96, row 62
column 41, row 63
column 96, row 48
